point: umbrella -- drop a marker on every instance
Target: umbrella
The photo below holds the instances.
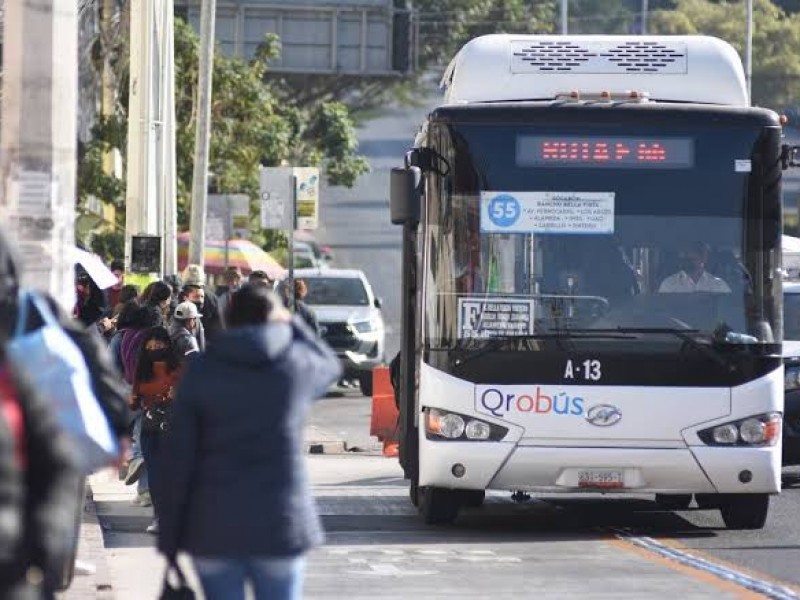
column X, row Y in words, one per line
column 241, row 253
column 95, row 267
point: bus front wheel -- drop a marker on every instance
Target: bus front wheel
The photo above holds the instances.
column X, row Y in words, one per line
column 437, row 506
column 744, row 511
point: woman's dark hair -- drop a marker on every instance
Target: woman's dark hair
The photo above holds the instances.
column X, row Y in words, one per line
column 250, row 305
column 144, row 364
column 147, row 316
column 127, row 314
column 128, row 292
column 159, row 292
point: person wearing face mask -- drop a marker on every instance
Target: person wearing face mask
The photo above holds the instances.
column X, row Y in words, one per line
column 157, row 373
column 693, row 276
column 194, row 291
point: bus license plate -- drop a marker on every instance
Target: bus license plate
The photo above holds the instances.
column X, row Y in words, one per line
column 600, row 479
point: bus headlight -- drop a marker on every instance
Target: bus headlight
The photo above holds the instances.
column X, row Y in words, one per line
column 760, row 430
column 791, row 378
column 445, row 425
column 726, row 434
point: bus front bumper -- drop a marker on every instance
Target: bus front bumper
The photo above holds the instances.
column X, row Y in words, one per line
column 508, row 466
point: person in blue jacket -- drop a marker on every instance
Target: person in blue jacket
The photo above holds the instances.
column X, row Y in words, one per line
column 239, row 500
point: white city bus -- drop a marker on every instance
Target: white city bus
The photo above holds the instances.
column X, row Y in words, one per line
column 591, row 275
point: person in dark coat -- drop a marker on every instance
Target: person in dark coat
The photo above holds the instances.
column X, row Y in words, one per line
column 239, row 499
column 40, row 486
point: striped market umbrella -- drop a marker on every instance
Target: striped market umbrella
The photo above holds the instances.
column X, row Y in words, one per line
column 241, row 253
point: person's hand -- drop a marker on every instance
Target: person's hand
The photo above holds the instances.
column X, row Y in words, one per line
column 280, row 314
column 124, row 451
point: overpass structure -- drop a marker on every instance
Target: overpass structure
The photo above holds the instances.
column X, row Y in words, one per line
column 324, row 37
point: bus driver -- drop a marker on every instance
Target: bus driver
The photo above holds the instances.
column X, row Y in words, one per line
column 693, row 276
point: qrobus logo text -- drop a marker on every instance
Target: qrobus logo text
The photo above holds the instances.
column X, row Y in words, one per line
column 499, row 403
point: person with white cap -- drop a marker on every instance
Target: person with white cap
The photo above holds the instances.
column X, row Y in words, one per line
column 186, row 330
column 194, row 281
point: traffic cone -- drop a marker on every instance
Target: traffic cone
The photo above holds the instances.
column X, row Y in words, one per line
column 383, row 423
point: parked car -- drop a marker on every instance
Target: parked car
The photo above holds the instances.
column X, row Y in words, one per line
column 791, row 359
column 350, row 319
column 304, row 256
column 322, row 253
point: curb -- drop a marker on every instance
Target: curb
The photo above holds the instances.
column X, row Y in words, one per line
column 91, row 549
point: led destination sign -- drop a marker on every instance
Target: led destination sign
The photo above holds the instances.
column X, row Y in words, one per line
column 604, row 152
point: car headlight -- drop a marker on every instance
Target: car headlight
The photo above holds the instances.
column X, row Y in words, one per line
column 366, row 326
column 760, row 430
column 445, row 425
column 791, row 378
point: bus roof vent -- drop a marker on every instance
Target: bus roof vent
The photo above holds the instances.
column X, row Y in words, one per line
column 596, row 56
column 502, row 68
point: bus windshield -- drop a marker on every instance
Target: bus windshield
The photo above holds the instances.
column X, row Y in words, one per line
column 537, row 233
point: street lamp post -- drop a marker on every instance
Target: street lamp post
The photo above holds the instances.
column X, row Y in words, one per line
column 748, row 49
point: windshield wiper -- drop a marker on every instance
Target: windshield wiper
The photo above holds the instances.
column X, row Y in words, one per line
column 687, row 335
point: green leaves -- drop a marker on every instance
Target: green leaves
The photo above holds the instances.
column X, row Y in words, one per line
column 254, row 121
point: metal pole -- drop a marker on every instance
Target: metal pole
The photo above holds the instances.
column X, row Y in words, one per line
column 748, row 52
column 564, row 16
column 228, row 229
column 644, row 17
column 291, row 243
column 202, row 135
column 38, row 141
column 168, row 185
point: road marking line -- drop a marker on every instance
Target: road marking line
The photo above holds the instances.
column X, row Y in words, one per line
column 725, row 563
column 722, row 577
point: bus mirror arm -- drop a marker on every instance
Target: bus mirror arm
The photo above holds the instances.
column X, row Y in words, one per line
column 789, row 156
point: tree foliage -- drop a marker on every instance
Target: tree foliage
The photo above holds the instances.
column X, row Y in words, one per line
column 253, row 122
column 776, row 41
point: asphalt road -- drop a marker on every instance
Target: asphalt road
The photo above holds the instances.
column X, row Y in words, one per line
column 356, row 225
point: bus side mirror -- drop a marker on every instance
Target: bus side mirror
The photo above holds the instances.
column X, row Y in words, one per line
column 405, row 201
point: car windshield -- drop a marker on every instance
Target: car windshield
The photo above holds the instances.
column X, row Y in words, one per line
column 791, row 316
column 336, row 291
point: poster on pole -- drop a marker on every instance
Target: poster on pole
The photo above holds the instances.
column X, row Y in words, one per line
column 228, row 217
column 307, row 197
column 276, row 198
column 240, row 216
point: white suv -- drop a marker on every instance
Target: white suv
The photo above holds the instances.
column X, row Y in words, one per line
column 350, row 319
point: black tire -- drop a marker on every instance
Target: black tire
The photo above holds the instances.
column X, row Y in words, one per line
column 413, row 492
column 707, row 501
column 473, row 498
column 365, row 383
column 674, row 501
column 744, row 511
column 438, row 506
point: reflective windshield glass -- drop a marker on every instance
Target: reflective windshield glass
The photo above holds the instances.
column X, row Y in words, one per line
column 336, row 291
column 791, row 317
column 516, row 250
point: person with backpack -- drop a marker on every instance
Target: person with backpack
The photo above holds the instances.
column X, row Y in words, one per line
column 41, row 487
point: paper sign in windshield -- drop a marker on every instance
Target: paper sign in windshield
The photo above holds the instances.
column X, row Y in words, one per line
column 481, row 317
column 547, row 212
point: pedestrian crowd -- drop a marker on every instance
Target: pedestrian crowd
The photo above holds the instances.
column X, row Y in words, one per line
column 205, row 393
